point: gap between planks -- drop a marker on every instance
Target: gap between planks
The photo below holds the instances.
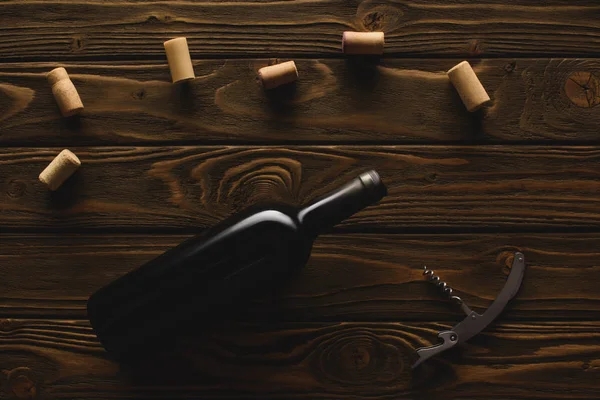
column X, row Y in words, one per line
column 295, row 56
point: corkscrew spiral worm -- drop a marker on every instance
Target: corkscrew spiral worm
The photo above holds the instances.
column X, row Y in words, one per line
column 447, row 290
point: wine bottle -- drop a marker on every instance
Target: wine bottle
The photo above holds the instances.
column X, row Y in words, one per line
column 243, row 255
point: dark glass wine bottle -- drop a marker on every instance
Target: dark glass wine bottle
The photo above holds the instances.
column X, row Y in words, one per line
column 243, row 255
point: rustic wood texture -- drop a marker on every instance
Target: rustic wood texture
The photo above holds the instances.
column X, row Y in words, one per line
column 362, row 277
column 334, row 101
column 59, row 30
column 61, row 359
column 431, row 188
column 163, row 161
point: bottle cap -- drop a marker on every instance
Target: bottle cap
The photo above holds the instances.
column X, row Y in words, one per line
column 372, row 182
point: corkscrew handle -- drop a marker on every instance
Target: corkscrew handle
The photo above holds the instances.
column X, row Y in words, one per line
column 474, row 322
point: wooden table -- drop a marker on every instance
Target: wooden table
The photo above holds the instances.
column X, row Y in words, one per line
column 162, row 162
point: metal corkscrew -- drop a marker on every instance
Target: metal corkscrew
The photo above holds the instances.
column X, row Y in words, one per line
column 447, row 290
column 474, row 322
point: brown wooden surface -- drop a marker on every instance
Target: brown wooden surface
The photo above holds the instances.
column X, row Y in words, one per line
column 161, row 162
column 61, row 359
column 59, row 30
column 360, row 277
column 394, row 100
column 190, row 188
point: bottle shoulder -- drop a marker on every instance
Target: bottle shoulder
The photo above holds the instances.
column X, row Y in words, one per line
column 273, row 215
column 277, row 222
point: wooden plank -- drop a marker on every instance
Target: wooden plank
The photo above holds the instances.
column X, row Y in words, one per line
column 395, row 101
column 61, row 359
column 431, row 188
column 349, row 277
column 60, row 30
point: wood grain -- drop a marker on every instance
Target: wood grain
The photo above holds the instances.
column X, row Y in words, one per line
column 61, row 359
column 466, row 191
column 431, row 188
column 335, row 101
column 59, row 30
column 361, row 277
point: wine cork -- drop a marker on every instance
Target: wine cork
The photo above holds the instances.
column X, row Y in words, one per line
column 467, row 85
column 363, row 42
column 278, row 74
column 61, row 168
column 64, row 92
column 180, row 62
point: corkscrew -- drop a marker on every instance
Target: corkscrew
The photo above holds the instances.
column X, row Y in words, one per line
column 447, row 290
column 474, row 323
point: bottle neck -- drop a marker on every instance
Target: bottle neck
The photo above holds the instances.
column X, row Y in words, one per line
column 340, row 204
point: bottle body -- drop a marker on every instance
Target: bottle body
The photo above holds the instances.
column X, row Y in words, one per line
column 246, row 254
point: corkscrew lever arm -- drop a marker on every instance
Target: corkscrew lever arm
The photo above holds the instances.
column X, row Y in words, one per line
column 474, row 322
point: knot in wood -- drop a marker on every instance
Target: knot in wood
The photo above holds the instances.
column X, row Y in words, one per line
column 432, row 177
column 165, row 19
column 382, row 18
column 373, row 21
column 260, row 180
column 474, row 48
column 139, row 94
column 358, row 357
column 248, row 177
column 583, row 89
column 20, row 383
column 510, row 67
column 16, row 188
column 506, row 259
column 78, row 43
